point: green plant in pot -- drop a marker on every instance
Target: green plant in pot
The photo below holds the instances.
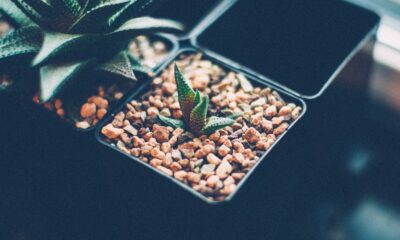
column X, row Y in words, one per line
column 82, row 35
column 194, row 108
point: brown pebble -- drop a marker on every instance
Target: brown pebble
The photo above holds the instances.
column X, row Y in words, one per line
column 165, row 170
column 181, row 175
column 193, row 177
column 252, row 135
column 160, row 133
column 224, row 169
column 101, row 113
column 223, row 151
column 111, row 132
column 211, row 158
column 88, row 110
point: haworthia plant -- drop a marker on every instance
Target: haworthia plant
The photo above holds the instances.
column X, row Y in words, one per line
column 83, row 34
column 194, row 109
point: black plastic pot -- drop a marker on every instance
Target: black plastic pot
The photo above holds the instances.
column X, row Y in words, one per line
column 297, row 48
column 225, row 64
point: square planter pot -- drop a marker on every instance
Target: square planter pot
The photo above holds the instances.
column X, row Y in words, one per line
column 196, row 171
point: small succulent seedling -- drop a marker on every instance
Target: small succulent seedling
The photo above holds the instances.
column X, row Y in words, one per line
column 79, row 35
column 194, row 108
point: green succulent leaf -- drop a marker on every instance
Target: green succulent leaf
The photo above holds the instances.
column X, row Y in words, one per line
column 66, row 46
column 199, row 115
column 13, row 12
column 175, row 123
column 36, row 10
column 67, row 8
column 197, row 98
column 96, row 19
column 54, row 76
column 216, row 123
column 119, row 66
column 186, row 94
column 235, row 115
column 22, row 42
column 133, row 9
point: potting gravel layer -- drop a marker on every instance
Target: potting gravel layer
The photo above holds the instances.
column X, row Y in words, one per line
column 150, row 53
column 212, row 165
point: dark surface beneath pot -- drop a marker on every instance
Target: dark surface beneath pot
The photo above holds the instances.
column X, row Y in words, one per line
column 336, row 166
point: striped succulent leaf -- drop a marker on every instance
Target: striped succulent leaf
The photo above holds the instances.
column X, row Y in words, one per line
column 216, row 123
column 186, row 94
column 175, row 123
column 198, row 116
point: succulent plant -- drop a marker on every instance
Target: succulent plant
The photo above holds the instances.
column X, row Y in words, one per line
column 79, row 35
column 194, row 110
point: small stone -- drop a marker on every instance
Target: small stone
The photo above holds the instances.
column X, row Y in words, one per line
column 211, row 158
column 212, row 181
column 229, row 180
column 101, row 113
column 176, row 155
column 207, row 168
column 88, row 110
column 180, row 175
column 165, row 112
column 244, row 83
column 168, row 88
column 160, row 133
column 271, row 111
column 193, row 177
column 238, row 157
column 130, row 129
column 277, row 121
column 224, row 169
column 155, row 162
column 238, row 176
column 111, row 132
column 135, row 152
column 280, row 129
column 259, row 102
column 165, row 170
column 166, row 147
column 175, row 167
column 187, row 149
column 152, row 112
column 156, row 153
column 118, row 120
column 137, row 142
column 223, row 151
column 252, row 135
column 285, row 110
column 99, row 102
column 238, row 146
column 82, row 125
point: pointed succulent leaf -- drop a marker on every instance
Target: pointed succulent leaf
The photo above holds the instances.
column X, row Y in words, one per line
column 14, row 13
column 197, row 98
column 119, row 66
column 216, row 123
column 199, row 115
column 22, row 42
column 36, row 10
column 145, row 25
column 67, row 8
column 186, row 94
column 53, row 77
column 235, row 115
column 134, row 9
column 95, row 19
column 66, row 46
column 175, row 123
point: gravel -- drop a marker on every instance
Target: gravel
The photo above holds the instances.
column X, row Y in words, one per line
column 213, row 165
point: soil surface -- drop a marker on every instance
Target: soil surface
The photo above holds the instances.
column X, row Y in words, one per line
column 213, row 165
